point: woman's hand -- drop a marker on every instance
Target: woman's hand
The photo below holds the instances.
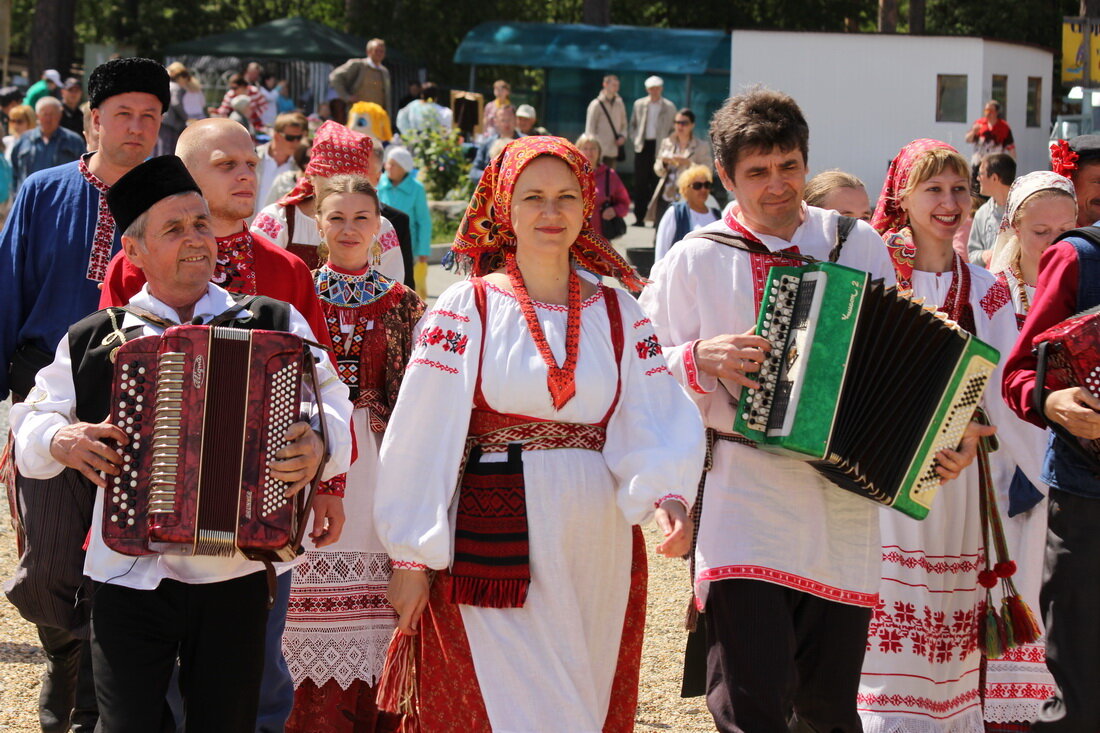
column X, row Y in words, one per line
column 950, row 463
column 609, row 213
column 673, row 520
column 732, row 357
column 1075, row 409
column 408, row 594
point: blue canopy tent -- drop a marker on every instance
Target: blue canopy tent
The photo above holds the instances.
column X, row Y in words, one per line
column 695, row 64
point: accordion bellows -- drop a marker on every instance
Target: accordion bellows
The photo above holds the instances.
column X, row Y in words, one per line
column 205, row 409
column 865, row 385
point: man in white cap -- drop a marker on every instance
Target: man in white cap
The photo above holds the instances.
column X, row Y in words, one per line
column 527, row 119
column 46, row 86
column 650, row 123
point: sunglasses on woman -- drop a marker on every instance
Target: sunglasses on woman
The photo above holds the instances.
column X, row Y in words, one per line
column 700, row 185
column 292, row 138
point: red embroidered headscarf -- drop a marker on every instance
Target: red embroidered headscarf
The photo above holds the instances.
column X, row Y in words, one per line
column 888, row 217
column 336, row 150
column 486, row 229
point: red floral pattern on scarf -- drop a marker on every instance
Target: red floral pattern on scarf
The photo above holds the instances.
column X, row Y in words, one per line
column 336, row 150
column 486, row 230
column 104, row 238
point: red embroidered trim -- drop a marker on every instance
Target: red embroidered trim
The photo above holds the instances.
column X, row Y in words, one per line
column 658, row 370
column 643, row 322
column 761, row 264
column 335, row 486
column 560, row 380
column 268, row 224
column 1026, row 654
column 455, row 341
column 235, row 269
column 361, row 602
column 648, row 347
column 436, row 364
column 547, row 306
column 941, row 565
column 408, row 565
column 924, row 632
column 907, row 703
column 779, row 577
column 449, row 314
column 104, row 238
column 996, row 297
column 671, row 497
column 389, row 240
column 691, row 369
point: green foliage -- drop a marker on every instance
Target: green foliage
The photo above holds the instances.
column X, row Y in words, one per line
column 1029, row 21
column 438, row 154
column 444, row 227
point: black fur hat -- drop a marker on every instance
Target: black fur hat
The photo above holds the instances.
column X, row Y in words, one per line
column 119, row 76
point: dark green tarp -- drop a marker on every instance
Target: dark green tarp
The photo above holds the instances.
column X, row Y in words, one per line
column 292, row 39
column 619, row 48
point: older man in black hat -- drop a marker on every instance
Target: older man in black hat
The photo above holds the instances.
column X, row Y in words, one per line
column 54, row 250
column 210, row 612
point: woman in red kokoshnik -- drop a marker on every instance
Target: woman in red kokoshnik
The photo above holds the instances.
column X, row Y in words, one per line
column 922, row 671
column 533, row 616
column 339, row 622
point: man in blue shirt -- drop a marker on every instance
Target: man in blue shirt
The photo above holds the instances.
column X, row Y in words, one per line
column 45, row 146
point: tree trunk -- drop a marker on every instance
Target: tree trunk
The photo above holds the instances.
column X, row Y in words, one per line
column 52, row 37
column 597, row 12
column 916, row 17
column 887, row 16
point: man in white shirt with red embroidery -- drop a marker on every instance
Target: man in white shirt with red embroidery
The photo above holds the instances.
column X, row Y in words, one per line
column 787, row 564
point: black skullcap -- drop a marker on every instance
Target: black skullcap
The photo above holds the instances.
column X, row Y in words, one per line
column 119, row 76
column 152, row 181
column 1087, row 147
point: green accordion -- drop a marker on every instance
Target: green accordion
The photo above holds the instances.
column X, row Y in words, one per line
column 862, row 383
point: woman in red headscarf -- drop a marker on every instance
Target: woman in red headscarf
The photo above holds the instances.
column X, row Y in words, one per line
column 289, row 222
column 923, row 665
column 553, row 394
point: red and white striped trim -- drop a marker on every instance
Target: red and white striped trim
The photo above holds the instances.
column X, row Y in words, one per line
column 691, row 369
column 671, row 497
column 780, row 577
column 408, row 565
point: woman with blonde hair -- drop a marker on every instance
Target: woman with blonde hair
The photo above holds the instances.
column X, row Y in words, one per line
column 922, row 671
column 612, row 198
column 690, row 212
column 20, row 120
column 550, row 396
column 840, row 191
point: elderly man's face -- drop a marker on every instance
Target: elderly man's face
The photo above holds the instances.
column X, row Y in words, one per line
column 611, row 86
column 49, row 119
column 377, row 53
column 128, row 125
column 178, row 252
column 525, row 124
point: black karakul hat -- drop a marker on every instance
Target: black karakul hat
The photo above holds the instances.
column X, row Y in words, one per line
column 119, row 76
column 154, row 180
column 1087, row 147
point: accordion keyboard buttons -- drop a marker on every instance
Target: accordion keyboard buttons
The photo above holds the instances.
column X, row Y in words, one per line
column 756, row 403
column 129, row 417
column 284, row 408
column 953, row 428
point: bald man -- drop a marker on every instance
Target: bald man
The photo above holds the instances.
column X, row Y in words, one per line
column 220, row 157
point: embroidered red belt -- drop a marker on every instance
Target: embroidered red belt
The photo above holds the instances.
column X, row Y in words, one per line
column 494, row 431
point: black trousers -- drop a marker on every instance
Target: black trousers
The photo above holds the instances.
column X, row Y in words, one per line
column 216, row 630
column 645, row 180
column 67, row 695
column 1070, row 602
column 774, row 651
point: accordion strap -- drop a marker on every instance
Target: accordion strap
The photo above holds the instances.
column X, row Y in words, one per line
column 844, row 227
column 1039, row 400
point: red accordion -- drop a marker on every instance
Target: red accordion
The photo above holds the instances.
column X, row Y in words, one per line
column 205, row 408
column 1069, row 356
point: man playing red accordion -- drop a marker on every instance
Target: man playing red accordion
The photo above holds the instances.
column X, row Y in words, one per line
column 1069, row 282
column 210, row 612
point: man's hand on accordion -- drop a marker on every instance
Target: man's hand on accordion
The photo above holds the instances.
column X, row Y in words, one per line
column 1077, row 410
column 297, row 463
column 950, row 463
column 81, row 446
column 732, row 357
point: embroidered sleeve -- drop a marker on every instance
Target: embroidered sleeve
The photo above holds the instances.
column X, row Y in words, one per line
column 334, row 486
column 654, row 442
column 424, row 442
column 996, row 297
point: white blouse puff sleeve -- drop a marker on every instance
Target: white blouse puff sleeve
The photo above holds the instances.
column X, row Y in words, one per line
column 655, row 441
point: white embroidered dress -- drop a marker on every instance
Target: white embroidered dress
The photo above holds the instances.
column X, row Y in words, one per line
column 550, row 664
column 271, row 223
column 765, row 517
column 1017, row 684
column 921, row 672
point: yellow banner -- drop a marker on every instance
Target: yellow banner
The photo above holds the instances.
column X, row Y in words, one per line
column 1075, row 51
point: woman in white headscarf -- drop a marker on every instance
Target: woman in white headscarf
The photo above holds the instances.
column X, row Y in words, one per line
column 1040, row 206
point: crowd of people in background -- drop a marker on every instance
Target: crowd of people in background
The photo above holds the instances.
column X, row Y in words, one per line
column 570, row 411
